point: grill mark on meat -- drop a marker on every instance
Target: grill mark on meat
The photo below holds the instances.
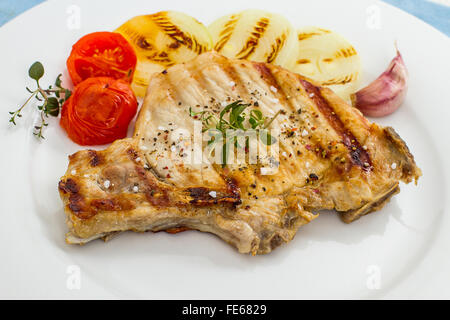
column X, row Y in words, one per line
column 271, row 80
column 233, row 189
column 266, row 75
column 177, row 91
column 201, row 195
column 113, row 204
column 79, row 206
column 358, row 155
column 95, row 158
column 76, row 201
column 233, row 75
column 68, row 186
column 201, row 83
column 155, row 195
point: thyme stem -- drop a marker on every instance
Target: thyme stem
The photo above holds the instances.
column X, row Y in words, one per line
column 51, row 98
column 271, row 120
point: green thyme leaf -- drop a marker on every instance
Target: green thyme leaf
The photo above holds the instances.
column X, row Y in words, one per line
column 67, row 94
column 52, row 107
column 58, row 81
column 36, row 71
column 256, row 114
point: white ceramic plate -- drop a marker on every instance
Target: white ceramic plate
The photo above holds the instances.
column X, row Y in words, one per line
column 401, row 251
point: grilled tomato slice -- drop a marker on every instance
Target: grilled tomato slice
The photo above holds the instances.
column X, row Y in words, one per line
column 101, row 54
column 98, row 111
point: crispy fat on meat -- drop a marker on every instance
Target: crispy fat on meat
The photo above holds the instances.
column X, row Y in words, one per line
column 330, row 157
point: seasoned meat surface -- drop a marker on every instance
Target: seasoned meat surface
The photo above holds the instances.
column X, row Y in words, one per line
column 329, row 157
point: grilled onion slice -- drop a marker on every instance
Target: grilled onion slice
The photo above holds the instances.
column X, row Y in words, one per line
column 255, row 35
column 329, row 59
column 162, row 40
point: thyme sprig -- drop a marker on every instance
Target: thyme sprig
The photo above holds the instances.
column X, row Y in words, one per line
column 52, row 99
column 236, row 121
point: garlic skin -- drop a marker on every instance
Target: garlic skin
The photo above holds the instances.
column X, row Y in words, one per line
column 384, row 95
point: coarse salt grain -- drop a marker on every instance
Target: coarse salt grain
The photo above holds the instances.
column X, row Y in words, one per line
column 232, row 83
column 213, row 194
column 173, row 148
column 138, row 159
column 284, row 154
column 394, row 166
column 161, row 128
column 273, row 89
column 73, row 172
column 274, row 100
column 311, row 95
column 304, row 133
column 86, row 176
column 107, row 184
column 135, row 189
column 307, row 164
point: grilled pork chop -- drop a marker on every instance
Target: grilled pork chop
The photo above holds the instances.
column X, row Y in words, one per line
column 331, row 157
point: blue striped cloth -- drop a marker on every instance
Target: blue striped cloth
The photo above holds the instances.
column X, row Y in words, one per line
column 432, row 13
column 435, row 14
column 12, row 8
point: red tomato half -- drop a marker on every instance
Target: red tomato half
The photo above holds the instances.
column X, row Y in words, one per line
column 98, row 111
column 101, row 54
